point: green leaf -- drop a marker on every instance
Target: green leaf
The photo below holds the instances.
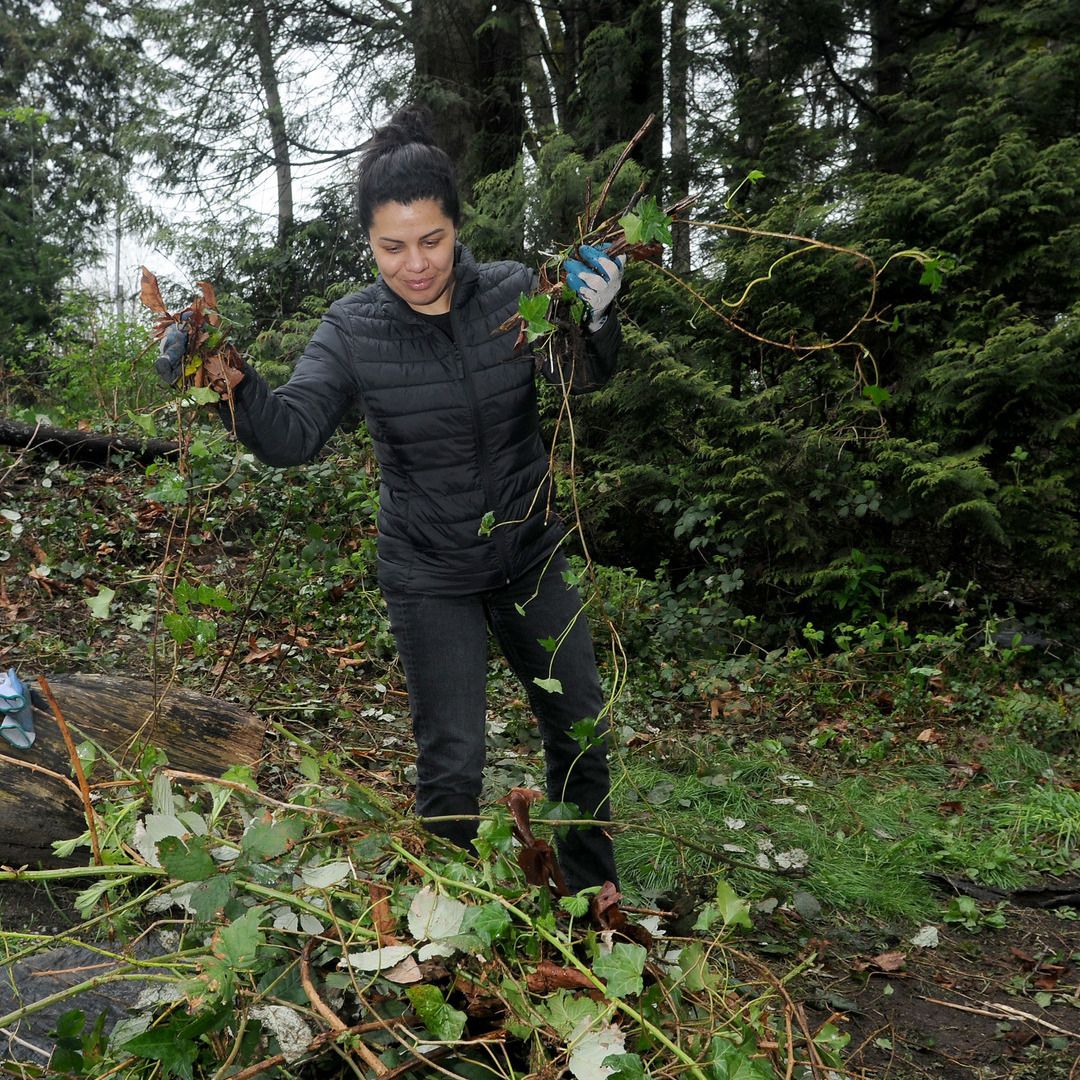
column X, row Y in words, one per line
column 266, row 839
column 625, row 1067
column 487, row 524
column 534, row 311
column 621, row 969
column 878, row 395
column 648, row 225
column 488, row 922
column 494, row 836
column 576, row 905
column 163, row 1044
column 565, row 1012
column 88, row 899
column 584, row 732
column 730, row 1061
column 548, row 644
column 210, row 897
column 145, row 423
column 443, row 1021
column 309, row 769
column 201, row 395
column 238, row 943
column 733, row 909
column 190, row 861
column 754, row 175
column 552, row 686
column 99, row 605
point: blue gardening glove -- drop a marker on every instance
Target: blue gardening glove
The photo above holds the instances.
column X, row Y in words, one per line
column 16, row 712
column 174, row 347
column 596, row 279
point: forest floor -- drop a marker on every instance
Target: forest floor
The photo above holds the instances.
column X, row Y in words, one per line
column 903, row 831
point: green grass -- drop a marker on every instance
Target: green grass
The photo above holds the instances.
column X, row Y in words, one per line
column 870, row 835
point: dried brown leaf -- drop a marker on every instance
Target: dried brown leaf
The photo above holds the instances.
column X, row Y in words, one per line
column 150, row 293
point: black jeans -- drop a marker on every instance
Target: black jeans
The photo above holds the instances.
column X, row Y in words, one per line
column 443, row 643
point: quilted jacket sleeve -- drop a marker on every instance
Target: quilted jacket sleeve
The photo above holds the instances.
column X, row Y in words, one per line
column 291, row 424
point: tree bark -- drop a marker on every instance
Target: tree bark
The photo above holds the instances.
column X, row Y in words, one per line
column 121, row 715
column 679, row 158
column 262, row 39
column 82, row 445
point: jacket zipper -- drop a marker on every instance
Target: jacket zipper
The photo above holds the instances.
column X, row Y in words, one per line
column 481, row 448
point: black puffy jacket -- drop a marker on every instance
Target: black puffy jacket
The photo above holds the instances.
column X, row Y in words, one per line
column 454, row 424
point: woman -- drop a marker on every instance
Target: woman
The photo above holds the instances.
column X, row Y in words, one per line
column 451, row 404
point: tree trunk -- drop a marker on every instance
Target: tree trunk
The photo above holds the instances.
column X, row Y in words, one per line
column 469, row 70
column 122, row 716
column 262, row 39
column 679, row 158
column 535, row 50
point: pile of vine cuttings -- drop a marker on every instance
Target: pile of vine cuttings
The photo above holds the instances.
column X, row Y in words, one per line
column 321, row 934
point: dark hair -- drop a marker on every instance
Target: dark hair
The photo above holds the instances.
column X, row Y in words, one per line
column 401, row 163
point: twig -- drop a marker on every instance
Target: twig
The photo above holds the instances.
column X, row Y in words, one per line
column 627, row 150
column 76, row 764
column 66, row 780
column 1002, row 1012
column 235, row 785
column 337, row 1025
column 313, row 1047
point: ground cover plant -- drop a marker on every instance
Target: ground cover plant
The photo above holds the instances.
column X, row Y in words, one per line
column 798, row 833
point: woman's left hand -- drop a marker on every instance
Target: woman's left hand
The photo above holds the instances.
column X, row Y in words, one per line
column 596, row 279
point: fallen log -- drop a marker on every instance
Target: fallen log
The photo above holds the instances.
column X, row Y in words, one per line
column 38, row 802
column 82, row 445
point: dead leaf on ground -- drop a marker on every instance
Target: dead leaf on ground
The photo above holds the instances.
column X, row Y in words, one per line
column 889, row 961
column 549, row 976
column 928, row 735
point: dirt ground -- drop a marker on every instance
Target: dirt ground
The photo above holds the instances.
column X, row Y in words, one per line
column 954, row 1012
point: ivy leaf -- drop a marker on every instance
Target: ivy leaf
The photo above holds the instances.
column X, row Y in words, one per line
column 625, row 1067
column 878, row 395
column 443, row 1021
column 568, row 1013
column 552, row 686
column 534, row 313
column 728, row 906
column 648, row 225
column 584, row 733
column 488, row 922
column 99, row 605
column 730, row 1061
column 621, row 969
column 548, row 644
column 754, row 175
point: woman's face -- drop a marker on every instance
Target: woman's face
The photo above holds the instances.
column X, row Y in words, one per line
column 414, row 250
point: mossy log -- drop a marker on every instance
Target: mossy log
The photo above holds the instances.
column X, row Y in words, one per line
column 122, row 716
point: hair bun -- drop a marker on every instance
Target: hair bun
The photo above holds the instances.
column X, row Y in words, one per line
column 410, row 124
